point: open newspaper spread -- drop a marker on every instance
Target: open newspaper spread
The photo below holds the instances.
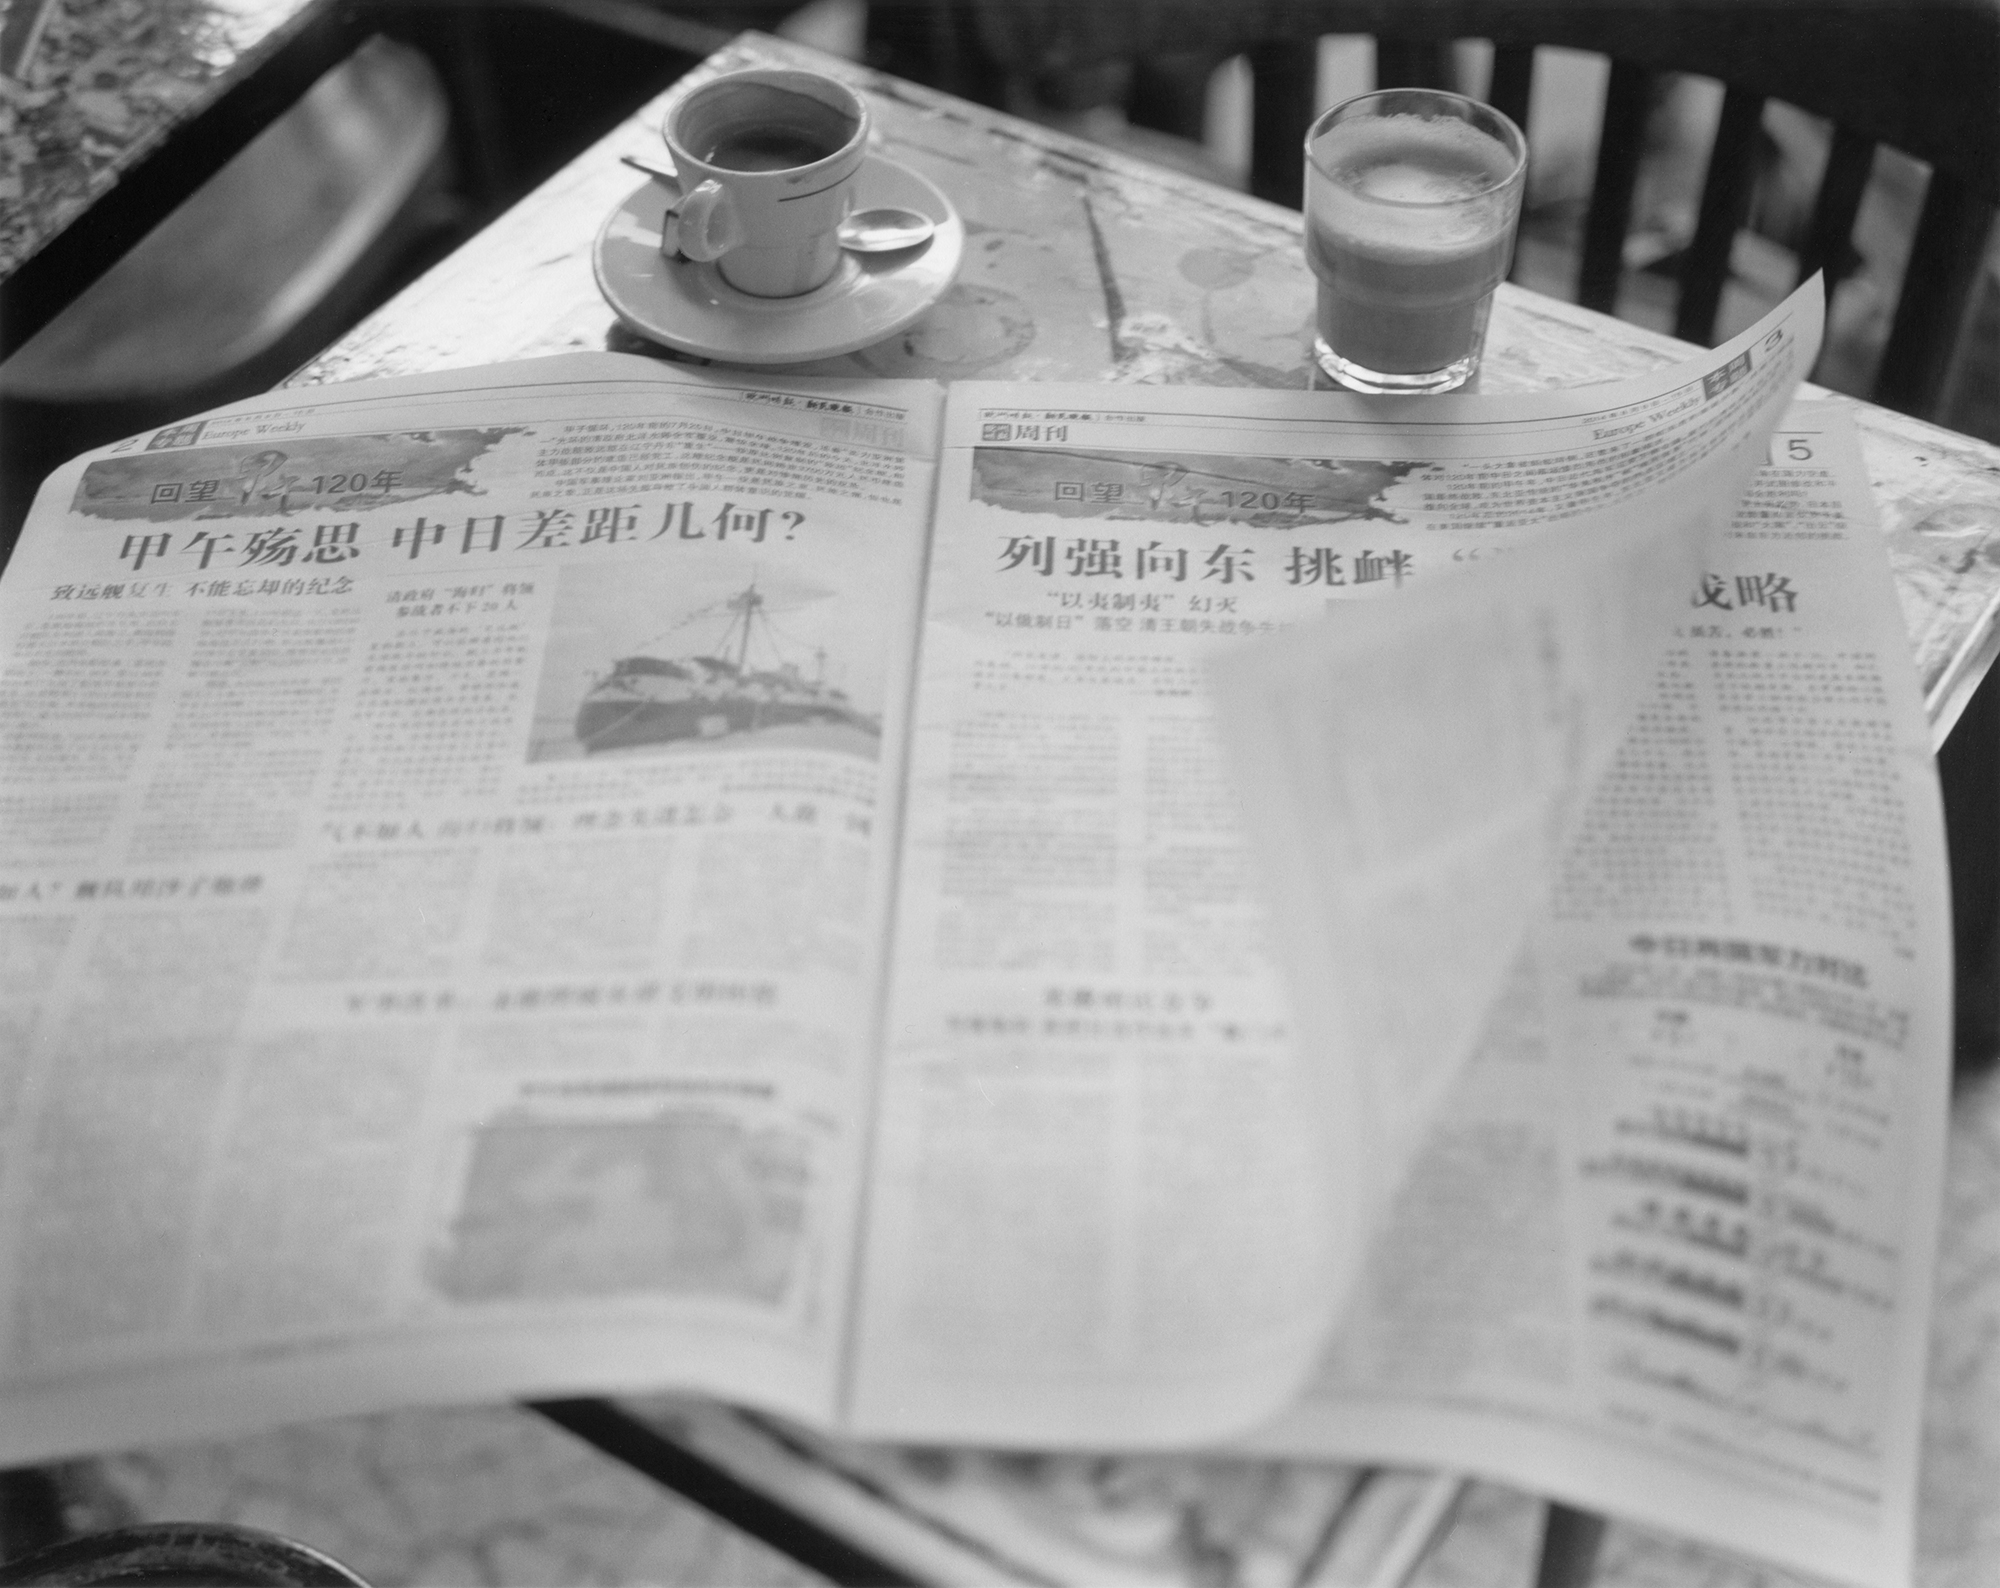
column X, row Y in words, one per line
column 590, row 875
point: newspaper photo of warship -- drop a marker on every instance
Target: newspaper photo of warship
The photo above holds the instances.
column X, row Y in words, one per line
column 655, row 700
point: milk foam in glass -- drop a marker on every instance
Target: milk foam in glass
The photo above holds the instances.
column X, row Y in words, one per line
column 1412, row 198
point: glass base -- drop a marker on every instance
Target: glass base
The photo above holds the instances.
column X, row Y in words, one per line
column 1377, row 383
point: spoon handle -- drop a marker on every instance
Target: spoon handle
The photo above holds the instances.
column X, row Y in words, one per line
column 659, row 173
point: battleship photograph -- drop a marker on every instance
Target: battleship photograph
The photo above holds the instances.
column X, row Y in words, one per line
column 747, row 666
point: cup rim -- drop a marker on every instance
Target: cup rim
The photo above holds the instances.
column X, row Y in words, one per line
column 778, row 76
column 1515, row 173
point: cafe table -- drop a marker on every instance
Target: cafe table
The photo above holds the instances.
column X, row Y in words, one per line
column 1083, row 264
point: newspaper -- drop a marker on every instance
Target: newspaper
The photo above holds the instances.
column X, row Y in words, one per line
column 587, row 875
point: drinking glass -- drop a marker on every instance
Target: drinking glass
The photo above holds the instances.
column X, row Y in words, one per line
column 1412, row 199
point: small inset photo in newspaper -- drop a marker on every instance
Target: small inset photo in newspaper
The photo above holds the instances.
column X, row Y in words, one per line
column 734, row 656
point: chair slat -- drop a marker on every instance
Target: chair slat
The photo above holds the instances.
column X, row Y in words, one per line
column 1509, row 91
column 1848, row 164
column 1725, row 202
column 1513, row 82
column 1283, row 77
column 1570, row 1539
column 1945, row 260
column 1627, row 101
column 1412, row 63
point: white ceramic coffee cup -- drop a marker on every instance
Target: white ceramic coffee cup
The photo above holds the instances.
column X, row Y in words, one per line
column 767, row 161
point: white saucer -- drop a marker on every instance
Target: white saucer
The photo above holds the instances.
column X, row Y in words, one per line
column 690, row 307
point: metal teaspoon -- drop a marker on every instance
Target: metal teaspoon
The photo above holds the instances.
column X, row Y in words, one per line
column 882, row 230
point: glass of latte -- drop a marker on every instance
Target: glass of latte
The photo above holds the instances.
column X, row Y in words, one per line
column 1412, row 198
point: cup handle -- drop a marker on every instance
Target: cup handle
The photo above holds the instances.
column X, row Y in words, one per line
column 707, row 223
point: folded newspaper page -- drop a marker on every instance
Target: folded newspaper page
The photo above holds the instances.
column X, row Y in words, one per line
column 586, row 875
column 1668, row 1252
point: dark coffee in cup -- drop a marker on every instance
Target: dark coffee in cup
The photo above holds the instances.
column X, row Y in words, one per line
column 767, row 149
column 762, row 127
